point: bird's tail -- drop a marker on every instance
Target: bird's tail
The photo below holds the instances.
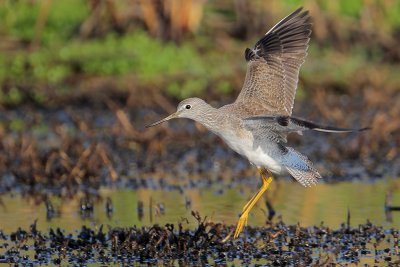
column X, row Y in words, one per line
column 300, row 167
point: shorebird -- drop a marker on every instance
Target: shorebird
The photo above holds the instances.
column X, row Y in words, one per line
column 257, row 123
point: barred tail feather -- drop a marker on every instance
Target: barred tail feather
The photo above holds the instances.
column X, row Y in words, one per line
column 301, row 168
column 305, row 178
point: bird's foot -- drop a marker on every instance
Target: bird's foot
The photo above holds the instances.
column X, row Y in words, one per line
column 241, row 224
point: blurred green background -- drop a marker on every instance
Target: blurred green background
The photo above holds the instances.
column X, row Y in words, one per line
column 54, row 50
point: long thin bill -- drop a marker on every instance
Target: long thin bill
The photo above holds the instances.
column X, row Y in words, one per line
column 161, row 121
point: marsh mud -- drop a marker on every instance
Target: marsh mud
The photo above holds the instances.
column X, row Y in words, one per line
column 209, row 243
column 318, row 226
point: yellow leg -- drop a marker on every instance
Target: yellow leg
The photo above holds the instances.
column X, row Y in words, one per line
column 263, row 173
column 266, row 177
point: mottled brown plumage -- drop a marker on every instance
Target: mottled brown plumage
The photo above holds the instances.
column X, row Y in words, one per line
column 273, row 67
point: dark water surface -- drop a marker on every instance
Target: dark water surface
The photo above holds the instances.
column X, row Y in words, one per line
column 327, row 203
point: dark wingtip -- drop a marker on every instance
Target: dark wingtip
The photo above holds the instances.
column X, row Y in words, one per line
column 298, row 10
column 249, row 54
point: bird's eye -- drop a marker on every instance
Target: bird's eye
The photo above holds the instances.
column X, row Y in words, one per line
column 188, row 106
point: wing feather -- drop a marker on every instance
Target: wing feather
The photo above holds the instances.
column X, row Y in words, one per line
column 273, row 67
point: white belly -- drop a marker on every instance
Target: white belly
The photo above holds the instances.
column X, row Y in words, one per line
column 255, row 155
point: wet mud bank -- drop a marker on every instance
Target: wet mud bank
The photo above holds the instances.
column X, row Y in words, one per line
column 277, row 244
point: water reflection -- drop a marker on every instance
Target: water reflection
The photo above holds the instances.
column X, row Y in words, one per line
column 327, row 203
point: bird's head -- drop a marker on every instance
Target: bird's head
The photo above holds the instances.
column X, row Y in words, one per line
column 190, row 108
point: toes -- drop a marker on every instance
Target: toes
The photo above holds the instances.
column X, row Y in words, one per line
column 240, row 225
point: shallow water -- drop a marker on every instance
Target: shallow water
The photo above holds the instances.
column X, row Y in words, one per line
column 328, row 203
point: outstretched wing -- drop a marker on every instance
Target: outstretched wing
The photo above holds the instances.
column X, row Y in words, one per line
column 273, row 67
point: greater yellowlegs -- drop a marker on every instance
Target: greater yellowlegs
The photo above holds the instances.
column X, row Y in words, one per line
column 257, row 123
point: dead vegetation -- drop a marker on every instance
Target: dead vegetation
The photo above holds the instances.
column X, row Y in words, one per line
column 278, row 244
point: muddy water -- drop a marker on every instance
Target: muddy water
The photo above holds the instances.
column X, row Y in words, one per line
column 328, row 203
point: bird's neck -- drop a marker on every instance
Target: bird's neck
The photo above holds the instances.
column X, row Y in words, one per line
column 210, row 118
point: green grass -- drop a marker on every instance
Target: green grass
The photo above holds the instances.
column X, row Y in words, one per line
column 179, row 69
column 188, row 69
column 19, row 19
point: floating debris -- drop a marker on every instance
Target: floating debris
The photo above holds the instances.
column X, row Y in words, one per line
column 140, row 210
column 86, row 207
column 50, row 211
column 271, row 210
column 109, row 207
